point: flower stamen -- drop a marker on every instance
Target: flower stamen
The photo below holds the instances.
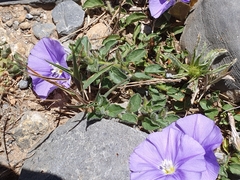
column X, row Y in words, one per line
column 167, row 167
column 56, row 72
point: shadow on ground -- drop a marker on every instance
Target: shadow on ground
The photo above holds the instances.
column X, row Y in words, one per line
column 7, row 173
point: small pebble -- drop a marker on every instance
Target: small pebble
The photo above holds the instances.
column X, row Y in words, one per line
column 29, row 16
column 23, row 84
column 15, row 25
column 25, row 25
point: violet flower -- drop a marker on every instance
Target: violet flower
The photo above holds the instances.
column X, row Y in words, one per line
column 158, row 7
column 203, row 130
column 48, row 50
column 168, row 155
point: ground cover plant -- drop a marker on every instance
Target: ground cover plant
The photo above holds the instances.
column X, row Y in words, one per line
column 140, row 75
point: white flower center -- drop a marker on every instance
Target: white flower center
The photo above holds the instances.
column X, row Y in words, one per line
column 167, row 167
column 56, row 72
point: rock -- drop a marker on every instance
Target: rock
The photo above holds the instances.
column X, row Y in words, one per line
column 97, row 34
column 218, row 25
column 25, row 25
column 23, row 84
column 43, row 30
column 89, row 151
column 68, row 17
column 32, row 125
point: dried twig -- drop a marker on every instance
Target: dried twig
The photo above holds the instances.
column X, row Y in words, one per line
column 151, row 81
column 235, row 135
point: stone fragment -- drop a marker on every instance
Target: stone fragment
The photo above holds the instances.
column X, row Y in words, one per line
column 43, row 30
column 98, row 150
column 217, row 24
column 25, row 25
column 9, row 23
column 97, row 34
column 23, row 84
column 68, row 17
column 32, row 125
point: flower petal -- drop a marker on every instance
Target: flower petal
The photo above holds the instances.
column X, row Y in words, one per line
column 158, row 7
column 43, row 88
column 212, row 166
column 201, row 129
column 186, row 1
column 171, row 144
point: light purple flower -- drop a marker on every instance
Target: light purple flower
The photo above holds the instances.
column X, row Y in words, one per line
column 203, row 130
column 168, row 155
column 52, row 51
column 158, row 7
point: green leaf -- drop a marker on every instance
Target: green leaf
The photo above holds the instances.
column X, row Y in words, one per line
column 178, row 30
column 113, row 110
column 211, row 113
column 141, row 76
column 171, row 118
column 129, row 118
column 154, row 68
column 134, row 17
column 101, row 101
column 116, row 75
column 237, row 117
column 95, row 76
column 136, row 56
column 149, row 125
column 110, row 38
column 136, row 32
column 104, row 50
column 93, row 4
column 134, row 103
column 234, row 168
column 227, row 107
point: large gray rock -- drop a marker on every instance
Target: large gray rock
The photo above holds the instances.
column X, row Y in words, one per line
column 95, row 151
column 68, row 17
column 217, row 22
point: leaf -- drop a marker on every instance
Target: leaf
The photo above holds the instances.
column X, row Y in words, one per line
column 234, row 168
column 110, row 38
column 134, row 17
column 237, row 117
column 149, row 125
column 95, row 76
column 178, row 30
column 129, row 118
column 211, row 113
column 93, row 4
column 116, row 75
column 177, row 62
column 171, row 118
column 154, row 68
column 136, row 55
column 141, row 76
column 106, row 48
column 134, row 103
column 113, row 110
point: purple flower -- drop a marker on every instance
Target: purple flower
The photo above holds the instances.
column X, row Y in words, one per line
column 158, row 7
column 203, row 130
column 52, row 51
column 168, row 155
